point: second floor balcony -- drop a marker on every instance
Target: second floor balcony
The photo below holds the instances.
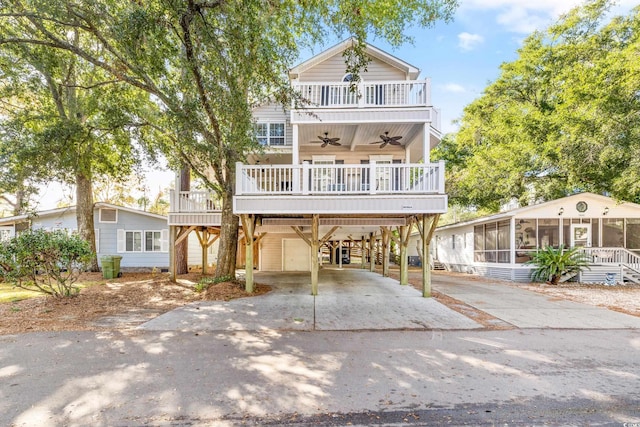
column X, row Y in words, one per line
column 384, row 101
column 400, row 93
column 373, row 188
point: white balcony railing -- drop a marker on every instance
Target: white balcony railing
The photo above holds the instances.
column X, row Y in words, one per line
column 193, row 201
column 400, row 93
column 613, row 256
column 307, row 179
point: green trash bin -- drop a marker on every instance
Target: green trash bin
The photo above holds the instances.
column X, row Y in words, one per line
column 108, row 267
column 116, row 265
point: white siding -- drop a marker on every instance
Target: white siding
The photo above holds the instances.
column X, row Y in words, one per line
column 462, row 252
column 333, row 70
column 194, row 254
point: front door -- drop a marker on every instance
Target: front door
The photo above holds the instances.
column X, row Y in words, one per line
column 581, row 235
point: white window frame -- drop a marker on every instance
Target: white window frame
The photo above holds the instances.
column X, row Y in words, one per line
column 269, row 137
column 100, row 220
column 121, row 241
column 146, row 249
column 132, row 232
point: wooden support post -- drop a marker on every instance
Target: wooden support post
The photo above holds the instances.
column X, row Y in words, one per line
column 363, row 253
column 315, row 246
column 340, row 253
column 429, row 224
column 372, row 260
column 205, row 249
column 172, row 253
column 248, row 225
column 404, row 232
column 385, row 250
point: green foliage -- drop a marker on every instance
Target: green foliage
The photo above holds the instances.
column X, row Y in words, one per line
column 43, row 261
column 551, row 263
column 563, row 117
column 205, row 65
column 206, row 282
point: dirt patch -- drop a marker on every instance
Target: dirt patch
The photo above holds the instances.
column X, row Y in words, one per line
column 118, row 303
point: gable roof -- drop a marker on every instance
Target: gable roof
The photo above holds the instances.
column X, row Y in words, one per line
column 525, row 209
column 371, row 50
column 52, row 212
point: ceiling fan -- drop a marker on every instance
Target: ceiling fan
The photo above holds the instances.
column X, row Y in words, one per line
column 386, row 139
column 328, row 141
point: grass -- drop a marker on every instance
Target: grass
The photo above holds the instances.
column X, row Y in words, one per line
column 8, row 293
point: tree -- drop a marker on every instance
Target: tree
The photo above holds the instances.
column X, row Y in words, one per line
column 74, row 123
column 561, row 118
column 206, row 63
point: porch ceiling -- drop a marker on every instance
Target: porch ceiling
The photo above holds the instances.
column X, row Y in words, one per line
column 358, row 137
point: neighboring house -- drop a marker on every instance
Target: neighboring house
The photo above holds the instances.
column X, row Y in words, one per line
column 500, row 245
column 341, row 171
column 141, row 238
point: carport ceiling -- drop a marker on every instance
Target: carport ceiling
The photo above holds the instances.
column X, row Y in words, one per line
column 378, row 222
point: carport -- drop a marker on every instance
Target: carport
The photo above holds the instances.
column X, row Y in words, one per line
column 371, row 234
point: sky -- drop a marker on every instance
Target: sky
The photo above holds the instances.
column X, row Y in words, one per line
column 461, row 58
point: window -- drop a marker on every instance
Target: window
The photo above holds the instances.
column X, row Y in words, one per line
column 108, row 215
column 270, row 133
column 142, row 240
column 152, row 241
column 491, row 242
column 612, row 232
column 133, row 241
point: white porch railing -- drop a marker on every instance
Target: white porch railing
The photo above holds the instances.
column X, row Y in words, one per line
column 400, row 93
column 619, row 256
column 193, row 201
column 308, row 179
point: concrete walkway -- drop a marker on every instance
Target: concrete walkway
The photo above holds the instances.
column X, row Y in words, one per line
column 526, row 309
column 348, row 299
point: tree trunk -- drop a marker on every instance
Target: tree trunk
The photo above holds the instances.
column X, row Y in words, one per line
column 84, row 214
column 226, row 266
column 182, row 249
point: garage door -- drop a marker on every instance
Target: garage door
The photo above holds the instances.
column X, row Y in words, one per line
column 295, row 255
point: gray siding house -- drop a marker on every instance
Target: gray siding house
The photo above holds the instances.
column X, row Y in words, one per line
column 141, row 238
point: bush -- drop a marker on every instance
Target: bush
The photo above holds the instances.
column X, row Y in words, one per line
column 551, row 264
column 47, row 262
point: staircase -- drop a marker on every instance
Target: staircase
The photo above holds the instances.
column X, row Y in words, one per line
column 437, row 265
column 630, row 275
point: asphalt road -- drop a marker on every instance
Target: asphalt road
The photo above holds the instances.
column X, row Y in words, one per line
column 475, row 377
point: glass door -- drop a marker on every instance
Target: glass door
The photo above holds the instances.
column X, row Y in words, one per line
column 581, row 235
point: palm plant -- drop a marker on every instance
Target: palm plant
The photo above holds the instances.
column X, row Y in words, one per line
column 551, row 263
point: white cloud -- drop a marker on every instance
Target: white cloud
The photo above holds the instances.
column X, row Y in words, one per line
column 523, row 16
column 453, row 88
column 468, row 41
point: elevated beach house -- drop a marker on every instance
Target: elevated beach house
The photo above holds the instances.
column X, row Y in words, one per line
column 337, row 175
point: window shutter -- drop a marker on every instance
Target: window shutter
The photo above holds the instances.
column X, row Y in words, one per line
column 97, row 236
column 164, row 241
column 121, row 240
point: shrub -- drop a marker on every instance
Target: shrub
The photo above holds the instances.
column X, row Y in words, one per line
column 551, row 263
column 43, row 261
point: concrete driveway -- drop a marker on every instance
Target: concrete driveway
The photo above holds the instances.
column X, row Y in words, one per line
column 354, row 299
column 348, row 299
column 526, row 309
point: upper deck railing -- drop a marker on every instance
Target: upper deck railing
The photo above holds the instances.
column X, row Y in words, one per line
column 340, row 180
column 398, row 93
